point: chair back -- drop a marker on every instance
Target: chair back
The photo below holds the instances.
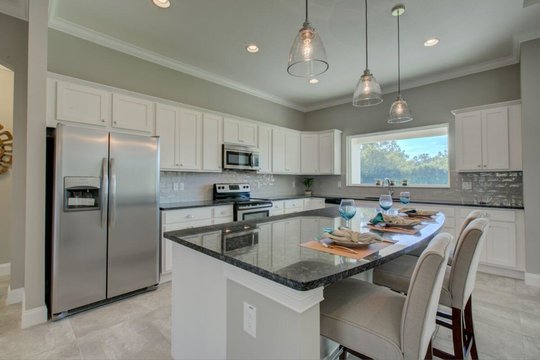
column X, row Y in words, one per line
column 473, row 215
column 420, row 308
column 465, row 262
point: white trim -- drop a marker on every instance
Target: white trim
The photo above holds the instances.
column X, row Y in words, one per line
column 488, row 106
column 495, row 270
column 532, row 279
column 19, row 9
column 5, row 269
column 165, row 277
column 295, row 300
column 133, row 50
column 33, row 317
column 14, row 296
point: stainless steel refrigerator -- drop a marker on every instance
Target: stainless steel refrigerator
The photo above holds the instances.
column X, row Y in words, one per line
column 105, row 235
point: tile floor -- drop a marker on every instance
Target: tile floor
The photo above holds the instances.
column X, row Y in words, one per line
column 506, row 313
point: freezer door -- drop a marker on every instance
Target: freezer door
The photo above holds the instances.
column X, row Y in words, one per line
column 79, row 246
column 133, row 213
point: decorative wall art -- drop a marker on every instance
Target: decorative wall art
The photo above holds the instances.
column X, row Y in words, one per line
column 6, row 150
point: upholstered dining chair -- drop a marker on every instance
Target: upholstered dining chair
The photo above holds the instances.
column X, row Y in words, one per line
column 372, row 321
column 457, row 287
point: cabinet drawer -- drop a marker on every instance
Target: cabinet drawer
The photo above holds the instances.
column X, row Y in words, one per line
column 223, row 211
column 494, row 215
column 276, row 212
column 294, row 204
column 222, row 220
column 313, row 203
column 186, row 225
column 175, row 216
column 277, row 205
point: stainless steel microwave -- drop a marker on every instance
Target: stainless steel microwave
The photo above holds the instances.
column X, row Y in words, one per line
column 240, row 158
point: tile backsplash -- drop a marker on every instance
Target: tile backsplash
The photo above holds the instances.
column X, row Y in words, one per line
column 198, row 186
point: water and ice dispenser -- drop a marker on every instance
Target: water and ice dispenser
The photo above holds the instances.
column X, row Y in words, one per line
column 82, row 193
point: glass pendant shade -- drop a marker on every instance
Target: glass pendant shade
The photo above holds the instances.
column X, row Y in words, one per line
column 399, row 112
column 307, row 57
column 368, row 91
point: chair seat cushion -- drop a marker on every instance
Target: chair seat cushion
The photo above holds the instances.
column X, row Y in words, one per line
column 396, row 274
column 363, row 317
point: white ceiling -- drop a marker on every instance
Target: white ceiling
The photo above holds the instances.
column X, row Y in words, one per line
column 207, row 38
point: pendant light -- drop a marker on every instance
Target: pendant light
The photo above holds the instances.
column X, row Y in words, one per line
column 368, row 91
column 399, row 111
column 307, row 57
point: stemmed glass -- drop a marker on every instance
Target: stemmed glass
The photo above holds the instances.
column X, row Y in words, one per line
column 385, row 201
column 347, row 210
column 404, row 197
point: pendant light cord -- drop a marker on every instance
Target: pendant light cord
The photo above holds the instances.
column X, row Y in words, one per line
column 398, row 59
column 367, row 67
column 307, row 11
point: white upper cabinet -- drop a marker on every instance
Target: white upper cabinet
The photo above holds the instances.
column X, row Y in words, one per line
column 132, row 113
column 265, row 149
column 190, row 140
column 239, row 132
column 321, row 153
column 285, row 151
column 488, row 139
column 82, row 104
column 212, row 142
column 167, row 118
column 310, row 153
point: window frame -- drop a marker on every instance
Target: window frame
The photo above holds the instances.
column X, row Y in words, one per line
column 350, row 138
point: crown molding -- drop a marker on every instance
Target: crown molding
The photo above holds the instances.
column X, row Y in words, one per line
column 133, row 50
column 18, row 9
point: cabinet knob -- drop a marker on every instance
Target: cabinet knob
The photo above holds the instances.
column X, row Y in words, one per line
column 479, row 165
column 102, row 120
column 115, row 122
column 485, row 165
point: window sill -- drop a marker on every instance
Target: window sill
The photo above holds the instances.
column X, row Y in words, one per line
column 403, row 187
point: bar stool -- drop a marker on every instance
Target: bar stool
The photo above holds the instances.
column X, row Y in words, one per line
column 456, row 291
column 370, row 320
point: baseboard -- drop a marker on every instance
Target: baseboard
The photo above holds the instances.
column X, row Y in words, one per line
column 34, row 317
column 515, row 274
column 5, row 269
column 14, row 296
column 532, row 279
column 165, row 277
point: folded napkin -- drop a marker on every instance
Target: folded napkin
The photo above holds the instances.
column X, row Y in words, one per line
column 392, row 220
column 377, row 219
column 344, row 235
column 417, row 212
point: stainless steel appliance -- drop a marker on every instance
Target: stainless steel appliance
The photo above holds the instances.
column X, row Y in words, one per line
column 105, row 234
column 240, row 158
column 245, row 207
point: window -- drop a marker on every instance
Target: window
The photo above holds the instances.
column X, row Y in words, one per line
column 418, row 155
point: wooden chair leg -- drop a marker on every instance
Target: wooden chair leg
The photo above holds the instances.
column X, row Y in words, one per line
column 429, row 353
column 457, row 332
column 343, row 354
column 470, row 328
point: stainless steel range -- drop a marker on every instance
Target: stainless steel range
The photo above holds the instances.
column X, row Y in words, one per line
column 245, row 207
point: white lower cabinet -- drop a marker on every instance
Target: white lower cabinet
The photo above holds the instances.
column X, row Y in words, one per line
column 313, row 203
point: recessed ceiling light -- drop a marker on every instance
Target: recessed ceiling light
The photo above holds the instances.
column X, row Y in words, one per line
column 313, row 81
column 252, row 48
column 431, row 42
column 162, row 3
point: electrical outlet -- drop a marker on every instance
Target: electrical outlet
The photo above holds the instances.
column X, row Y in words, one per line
column 466, row 185
column 175, row 186
column 250, row 319
column 339, row 184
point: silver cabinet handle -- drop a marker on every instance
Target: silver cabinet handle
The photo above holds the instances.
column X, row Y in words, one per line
column 112, row 207
column 479, row 165
column 104, row 191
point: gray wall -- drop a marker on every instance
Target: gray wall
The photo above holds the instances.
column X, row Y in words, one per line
column 14, row 55
column 82, row 59
column 530, row 94
column 430, row 104
column 6, row 120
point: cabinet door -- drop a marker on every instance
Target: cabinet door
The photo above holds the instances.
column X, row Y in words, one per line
column 278, row 151
column 326, row 153
column 166, row 128
column 469, row 141
column 501, row 244
column 190, row 140
column 309, row 153
column 265, row 149
column 82, row 104
column 212, row 142
column 495, row 145
column 132, row 113
column 239, row 132
column 292, row 152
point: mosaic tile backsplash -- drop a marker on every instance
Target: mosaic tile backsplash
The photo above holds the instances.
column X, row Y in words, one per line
column 198, row 186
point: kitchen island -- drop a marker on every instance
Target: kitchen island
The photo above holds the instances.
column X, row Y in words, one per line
column 249, row 290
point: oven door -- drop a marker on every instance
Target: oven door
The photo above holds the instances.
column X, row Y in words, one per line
column 252, row 214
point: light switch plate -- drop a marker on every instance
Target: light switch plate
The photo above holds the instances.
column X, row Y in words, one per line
column 250, row 319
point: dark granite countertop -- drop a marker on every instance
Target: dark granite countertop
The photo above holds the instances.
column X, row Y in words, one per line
column 337, row 199
column 277, row 254
column 193, row 204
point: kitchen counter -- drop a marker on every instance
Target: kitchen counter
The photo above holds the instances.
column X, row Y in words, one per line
column 299, row 268
column 337, row 199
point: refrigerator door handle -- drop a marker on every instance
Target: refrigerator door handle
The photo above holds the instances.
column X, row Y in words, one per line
column 112, row 208
column 104, row 191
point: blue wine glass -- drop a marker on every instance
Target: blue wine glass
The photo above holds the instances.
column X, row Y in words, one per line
column 385, row 202
column 347, row 210
column 404, row 197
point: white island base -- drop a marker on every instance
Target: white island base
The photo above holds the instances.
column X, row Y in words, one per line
column 208, row 297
